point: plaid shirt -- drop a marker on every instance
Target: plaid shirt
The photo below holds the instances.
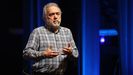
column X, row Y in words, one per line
column 40, row 39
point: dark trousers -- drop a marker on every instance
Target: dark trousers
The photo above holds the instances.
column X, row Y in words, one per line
column 38, row 73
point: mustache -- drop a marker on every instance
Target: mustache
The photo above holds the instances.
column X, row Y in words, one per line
column 56, row 21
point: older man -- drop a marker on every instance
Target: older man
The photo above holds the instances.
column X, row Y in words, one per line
column 50, row 46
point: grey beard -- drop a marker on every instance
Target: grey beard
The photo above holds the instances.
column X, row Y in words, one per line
column 52, row 28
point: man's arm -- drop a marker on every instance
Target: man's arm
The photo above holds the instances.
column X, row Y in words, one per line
column 31, row 49
column 75, row 52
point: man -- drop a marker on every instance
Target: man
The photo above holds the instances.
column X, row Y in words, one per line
column 50, row 46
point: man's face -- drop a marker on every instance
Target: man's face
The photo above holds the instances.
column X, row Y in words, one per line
column 53, row 16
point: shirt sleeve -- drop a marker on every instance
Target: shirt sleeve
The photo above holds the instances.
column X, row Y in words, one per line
column 31, row 50
column 75, row 52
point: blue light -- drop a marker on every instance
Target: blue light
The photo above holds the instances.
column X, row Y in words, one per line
column 90, row 38
column 108, row 32
column 102, row 39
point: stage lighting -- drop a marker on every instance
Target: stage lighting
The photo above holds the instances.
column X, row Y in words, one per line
column 102, row 39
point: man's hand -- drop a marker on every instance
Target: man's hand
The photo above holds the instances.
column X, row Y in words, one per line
column 68, row 50
column 50, row 53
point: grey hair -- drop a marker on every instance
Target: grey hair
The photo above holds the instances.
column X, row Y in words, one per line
column 47, row 6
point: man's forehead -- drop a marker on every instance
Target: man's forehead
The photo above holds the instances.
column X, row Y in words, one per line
column 53, row 9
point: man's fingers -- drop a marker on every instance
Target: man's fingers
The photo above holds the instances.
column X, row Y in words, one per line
column 66, row 49
column 69, row 48
column 54, row 53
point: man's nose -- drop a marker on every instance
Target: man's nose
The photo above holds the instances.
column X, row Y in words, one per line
column 55, row 16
